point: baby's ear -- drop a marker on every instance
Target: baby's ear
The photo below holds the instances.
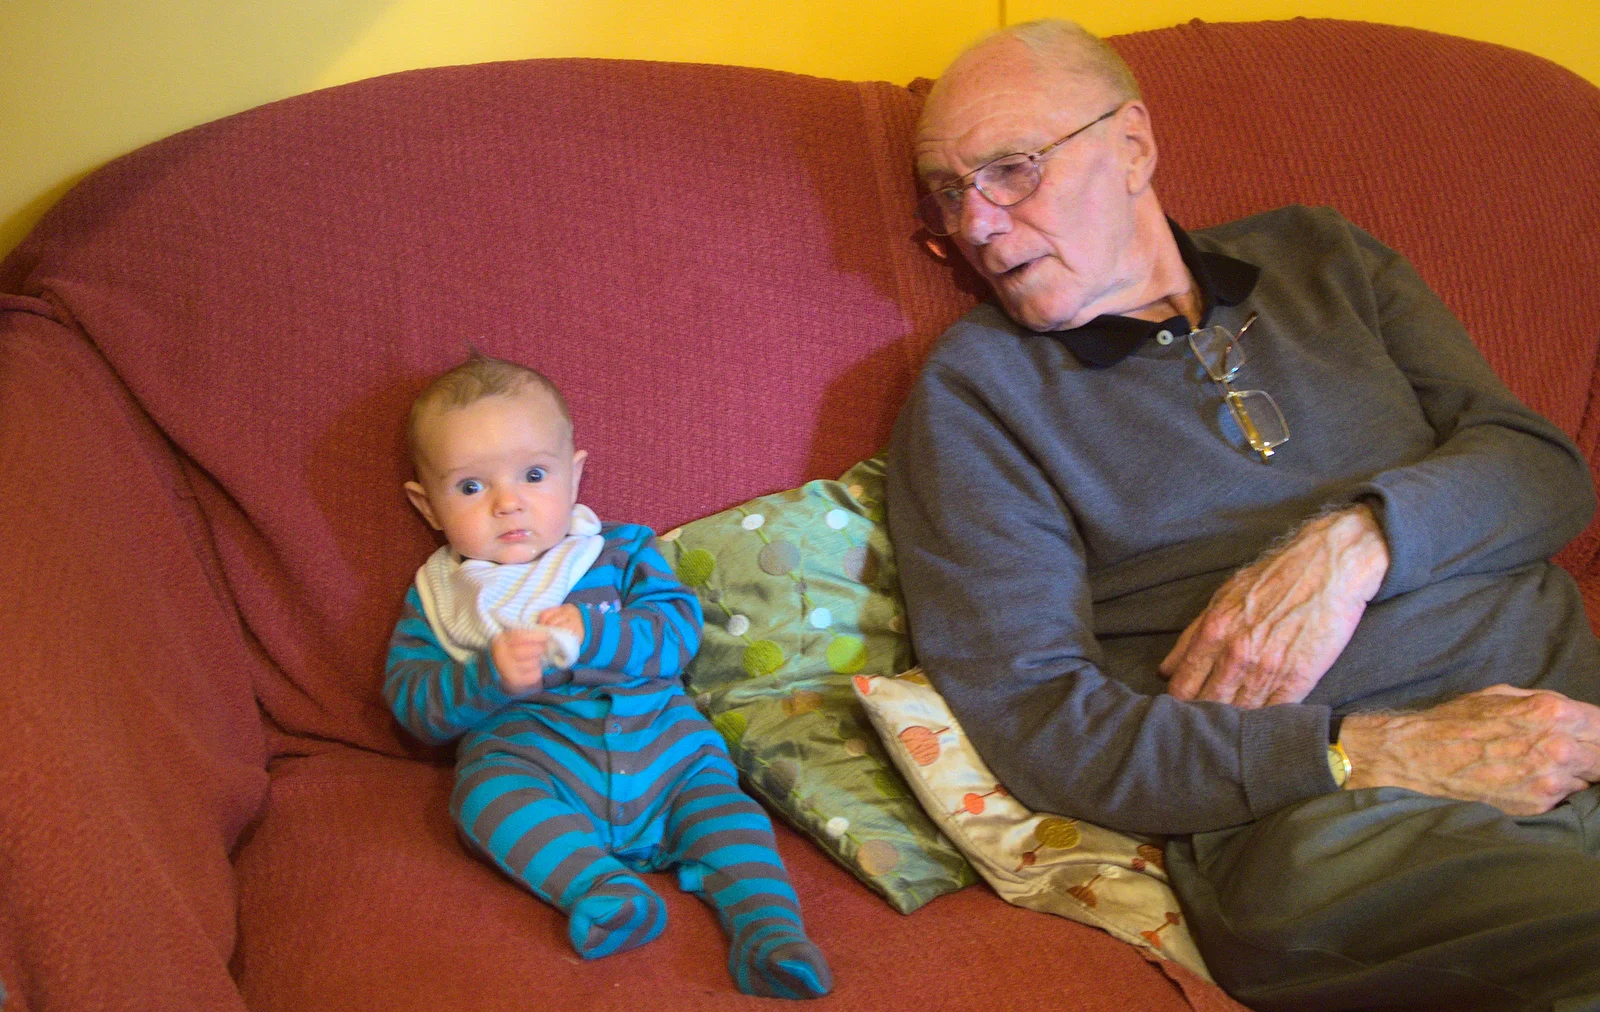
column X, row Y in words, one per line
column 578, row 457
column 419, row 498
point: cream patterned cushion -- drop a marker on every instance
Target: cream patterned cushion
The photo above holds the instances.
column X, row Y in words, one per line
column 1045, row 862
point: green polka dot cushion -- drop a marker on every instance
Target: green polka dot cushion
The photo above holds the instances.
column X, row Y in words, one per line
column 800, row 595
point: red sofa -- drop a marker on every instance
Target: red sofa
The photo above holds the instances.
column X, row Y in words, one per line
column 207, row 348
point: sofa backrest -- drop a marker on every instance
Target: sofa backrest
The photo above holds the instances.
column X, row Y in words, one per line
column 720, row 268
column 713, row 263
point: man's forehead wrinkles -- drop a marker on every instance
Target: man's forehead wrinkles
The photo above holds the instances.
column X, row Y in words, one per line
column 978, row 120
column 974, row 148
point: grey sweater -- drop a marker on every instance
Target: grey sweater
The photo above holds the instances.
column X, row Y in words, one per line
column 1057, row 526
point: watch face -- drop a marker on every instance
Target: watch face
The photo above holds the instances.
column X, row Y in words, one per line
column 1338, row 764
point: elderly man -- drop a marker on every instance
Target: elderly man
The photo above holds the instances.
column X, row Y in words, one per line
column 1196, row 530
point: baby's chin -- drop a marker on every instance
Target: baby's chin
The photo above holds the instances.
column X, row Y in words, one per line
column 508, row 555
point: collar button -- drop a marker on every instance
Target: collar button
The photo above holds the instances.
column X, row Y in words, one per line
column 1164, row 338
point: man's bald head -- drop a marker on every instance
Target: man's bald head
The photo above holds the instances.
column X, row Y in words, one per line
column 1064, row 54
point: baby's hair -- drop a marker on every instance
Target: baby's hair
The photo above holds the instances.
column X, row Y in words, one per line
column 478, row 377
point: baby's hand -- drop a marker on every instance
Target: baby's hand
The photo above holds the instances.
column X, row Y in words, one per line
column 519, row 659
column 563, row 616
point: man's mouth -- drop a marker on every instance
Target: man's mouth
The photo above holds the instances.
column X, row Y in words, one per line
column 1016, row 270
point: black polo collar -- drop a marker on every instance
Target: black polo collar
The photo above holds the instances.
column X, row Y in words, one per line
column 1106, row 340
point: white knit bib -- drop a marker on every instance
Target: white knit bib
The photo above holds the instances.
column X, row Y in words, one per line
column 468, row 601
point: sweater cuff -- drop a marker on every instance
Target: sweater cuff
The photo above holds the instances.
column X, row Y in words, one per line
column 1283, row 756
column 1410, row 551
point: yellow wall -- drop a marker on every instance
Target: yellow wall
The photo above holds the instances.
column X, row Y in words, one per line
column 82, row 81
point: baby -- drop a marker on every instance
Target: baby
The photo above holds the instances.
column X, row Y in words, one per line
column 553, row 646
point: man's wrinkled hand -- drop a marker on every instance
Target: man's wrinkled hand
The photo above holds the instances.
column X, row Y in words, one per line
column 519, row 658
column 1275, row 628
column 1521, row 750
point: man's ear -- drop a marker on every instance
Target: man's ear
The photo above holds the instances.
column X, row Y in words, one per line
column 1139, row 145
column 419, row 498
column 578, row 457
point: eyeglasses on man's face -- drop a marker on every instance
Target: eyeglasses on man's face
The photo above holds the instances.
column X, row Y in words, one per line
column 1255, row 412
column 1004, row 182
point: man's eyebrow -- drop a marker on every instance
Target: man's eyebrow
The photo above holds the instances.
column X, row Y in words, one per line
column 944, row 175
column 936, row 174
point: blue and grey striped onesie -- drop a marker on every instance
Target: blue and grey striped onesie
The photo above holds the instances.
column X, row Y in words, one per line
column 609, row 769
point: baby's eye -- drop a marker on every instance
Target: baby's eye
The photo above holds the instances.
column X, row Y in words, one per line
column 535, row 474
column 469, row 486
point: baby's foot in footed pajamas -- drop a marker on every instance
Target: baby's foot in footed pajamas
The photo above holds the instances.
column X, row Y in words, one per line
column 616, row 915
column 779, row 962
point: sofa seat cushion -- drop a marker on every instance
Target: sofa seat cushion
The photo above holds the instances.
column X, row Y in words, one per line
column 355, row 893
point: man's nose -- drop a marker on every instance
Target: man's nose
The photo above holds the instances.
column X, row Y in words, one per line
column 982, row 219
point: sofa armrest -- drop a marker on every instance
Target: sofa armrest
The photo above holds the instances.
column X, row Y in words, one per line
column 131, row 750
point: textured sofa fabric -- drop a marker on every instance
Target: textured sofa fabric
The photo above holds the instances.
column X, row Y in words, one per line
column 207, row 348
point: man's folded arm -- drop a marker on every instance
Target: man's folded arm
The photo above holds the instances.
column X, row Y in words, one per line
column 1504, row 487
column 995, row 582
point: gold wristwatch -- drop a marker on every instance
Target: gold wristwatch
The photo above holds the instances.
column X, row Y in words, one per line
column 1338, row 764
